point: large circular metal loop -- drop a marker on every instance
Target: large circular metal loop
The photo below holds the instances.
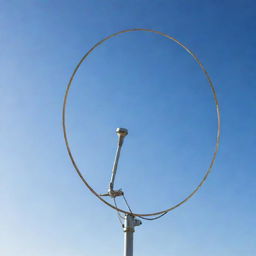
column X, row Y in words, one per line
column 217, row 110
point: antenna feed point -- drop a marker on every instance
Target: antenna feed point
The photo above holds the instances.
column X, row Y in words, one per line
column 115, row 193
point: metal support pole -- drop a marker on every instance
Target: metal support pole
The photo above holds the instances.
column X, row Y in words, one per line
column 118, row 151
column 129, row 223
column 121, row 132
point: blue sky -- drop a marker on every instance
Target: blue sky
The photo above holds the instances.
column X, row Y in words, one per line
column 152, row 87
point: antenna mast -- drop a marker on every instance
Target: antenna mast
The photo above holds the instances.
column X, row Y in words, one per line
column 130, row 222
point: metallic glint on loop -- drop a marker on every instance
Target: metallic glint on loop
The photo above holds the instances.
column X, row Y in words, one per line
column 218, row 121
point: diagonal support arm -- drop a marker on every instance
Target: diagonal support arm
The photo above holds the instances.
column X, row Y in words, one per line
column 121, row 132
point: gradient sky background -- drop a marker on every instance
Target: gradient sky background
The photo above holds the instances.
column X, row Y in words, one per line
column 147, row 84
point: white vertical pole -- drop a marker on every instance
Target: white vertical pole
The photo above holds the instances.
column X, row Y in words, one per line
column 129, row 223
column 128, row 235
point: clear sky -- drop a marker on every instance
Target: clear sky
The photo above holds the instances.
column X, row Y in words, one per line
column 142, row 82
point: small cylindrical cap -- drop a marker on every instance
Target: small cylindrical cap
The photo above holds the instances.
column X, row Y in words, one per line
column 121, row 132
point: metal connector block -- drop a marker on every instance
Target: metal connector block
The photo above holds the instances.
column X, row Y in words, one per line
column 137, row 222
column 113, row 193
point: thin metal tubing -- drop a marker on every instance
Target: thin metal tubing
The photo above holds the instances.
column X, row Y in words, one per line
column 217, row 110
column 144, row 218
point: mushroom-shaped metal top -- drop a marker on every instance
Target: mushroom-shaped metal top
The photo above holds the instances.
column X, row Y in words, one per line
column 122, row 132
